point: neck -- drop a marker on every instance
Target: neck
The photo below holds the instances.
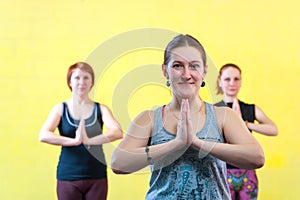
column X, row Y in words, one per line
column 194, row 103
column 228, row 99
column 80, row 100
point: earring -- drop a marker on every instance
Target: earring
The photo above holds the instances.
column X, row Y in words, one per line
column 168, row 83
column 203, row 84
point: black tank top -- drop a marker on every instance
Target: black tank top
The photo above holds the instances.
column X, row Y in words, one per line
column 248, row 114
column 81, row 162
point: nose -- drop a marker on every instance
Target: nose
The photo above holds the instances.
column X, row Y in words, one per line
column 186, row 72
column 81, row 80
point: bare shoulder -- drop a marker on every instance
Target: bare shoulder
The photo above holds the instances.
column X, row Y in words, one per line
column 222, row 113
column 258, row 109
column 53, row 118
column 145, row 118
column 57, row 109
column 142, row 123
column 261, row 116
column 104, row 108
column 140, row 129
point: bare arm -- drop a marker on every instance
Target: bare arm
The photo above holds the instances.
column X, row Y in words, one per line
column 114, row 131
column 47, row 134
column 241, row 150
column 265, row 125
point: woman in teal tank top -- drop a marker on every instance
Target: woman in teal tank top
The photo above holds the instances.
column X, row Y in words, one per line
column 184, row 141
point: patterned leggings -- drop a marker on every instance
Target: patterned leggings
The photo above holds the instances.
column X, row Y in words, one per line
column 243, row 184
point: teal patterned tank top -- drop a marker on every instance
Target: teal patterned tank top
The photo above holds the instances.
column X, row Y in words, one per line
column 192, row 175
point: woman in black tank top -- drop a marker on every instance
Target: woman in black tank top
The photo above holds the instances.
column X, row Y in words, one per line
column 243, row 183
column 81, row 171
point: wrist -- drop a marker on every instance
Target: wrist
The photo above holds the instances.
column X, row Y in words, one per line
column 248, row 124
column 197, row 143
column 206, row 148
column 77, row 140
column 149, row 158
column 177, row 143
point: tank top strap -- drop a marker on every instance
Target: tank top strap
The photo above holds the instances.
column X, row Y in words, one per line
column 99, row 114
column 211, row 130
column 158, row 122
column 64, row 107
column 211, row 113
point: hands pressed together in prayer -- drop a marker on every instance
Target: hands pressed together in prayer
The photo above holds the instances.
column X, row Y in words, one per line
column 185, row 134
column 81, row 134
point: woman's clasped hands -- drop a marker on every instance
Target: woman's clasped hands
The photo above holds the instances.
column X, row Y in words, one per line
column 81, row 134
column 185, row 136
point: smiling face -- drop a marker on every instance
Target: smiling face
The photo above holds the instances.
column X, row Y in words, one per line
column 230, row 81
column 185, row 71
column 81, row 82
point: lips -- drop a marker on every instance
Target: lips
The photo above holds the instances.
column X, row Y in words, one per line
column 186, row 83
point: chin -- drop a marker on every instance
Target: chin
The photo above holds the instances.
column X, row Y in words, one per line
column 232, row 94
column 186, row 95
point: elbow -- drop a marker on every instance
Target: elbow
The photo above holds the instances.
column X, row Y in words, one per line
column 118, row 134
column 120, row 162
column 116, row 166
column 275, row 132
column 260, row 161
column 256, row 160
column 257, row 163
column 42, row 138
column 117, row 171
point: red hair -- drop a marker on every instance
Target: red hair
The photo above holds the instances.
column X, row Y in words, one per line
column 82, row 66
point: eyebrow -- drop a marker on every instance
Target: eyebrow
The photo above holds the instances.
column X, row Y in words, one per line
column 196, row 61
column 193, row 61
column 235, row 77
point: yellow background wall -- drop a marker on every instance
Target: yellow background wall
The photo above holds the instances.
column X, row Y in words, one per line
column 39, row 40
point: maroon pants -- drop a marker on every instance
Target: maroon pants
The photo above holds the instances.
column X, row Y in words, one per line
column 82, row 190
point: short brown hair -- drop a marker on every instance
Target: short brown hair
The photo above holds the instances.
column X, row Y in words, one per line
column 84, row 67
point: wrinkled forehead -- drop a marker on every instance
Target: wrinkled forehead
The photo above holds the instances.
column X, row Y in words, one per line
column 186, row 54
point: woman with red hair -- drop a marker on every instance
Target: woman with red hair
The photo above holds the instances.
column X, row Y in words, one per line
column 81, row 170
